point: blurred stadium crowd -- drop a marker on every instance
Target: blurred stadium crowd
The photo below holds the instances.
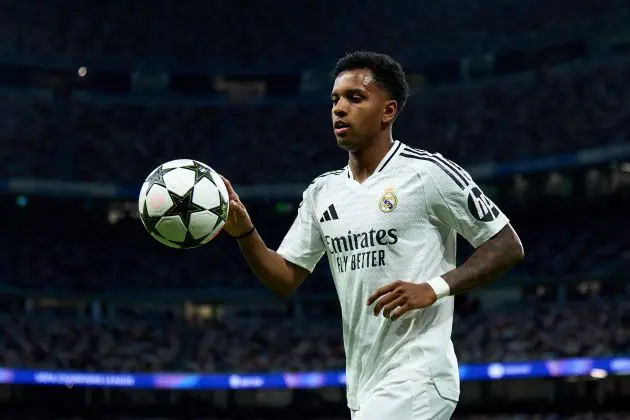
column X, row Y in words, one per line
column 605, row 415
column 92, row 137
column 122, row 256
column 113, row 142
column 195, row 33
column 258, row 341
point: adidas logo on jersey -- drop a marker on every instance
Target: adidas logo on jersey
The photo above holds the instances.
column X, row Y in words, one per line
column 330, row 214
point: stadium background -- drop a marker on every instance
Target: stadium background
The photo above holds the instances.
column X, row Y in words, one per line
column 531, row 96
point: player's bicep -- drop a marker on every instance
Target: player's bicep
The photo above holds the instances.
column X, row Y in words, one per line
column 454, row 199
column 298, row 274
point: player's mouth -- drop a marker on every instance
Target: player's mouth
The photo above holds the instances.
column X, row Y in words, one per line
column 341, row 127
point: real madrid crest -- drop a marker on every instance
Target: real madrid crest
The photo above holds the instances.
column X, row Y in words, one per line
column 388, row 201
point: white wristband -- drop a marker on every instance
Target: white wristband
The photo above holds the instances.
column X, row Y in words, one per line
column 440, row 287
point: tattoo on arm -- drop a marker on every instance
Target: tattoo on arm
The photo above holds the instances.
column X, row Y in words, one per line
column 487, row 263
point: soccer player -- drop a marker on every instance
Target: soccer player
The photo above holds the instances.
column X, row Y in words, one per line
column 388, row 223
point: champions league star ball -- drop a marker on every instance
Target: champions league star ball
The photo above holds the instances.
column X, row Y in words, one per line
column 183, row 203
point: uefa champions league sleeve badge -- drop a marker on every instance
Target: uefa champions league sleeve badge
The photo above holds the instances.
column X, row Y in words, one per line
column 388, row 201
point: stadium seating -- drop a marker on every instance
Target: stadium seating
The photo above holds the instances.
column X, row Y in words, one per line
column 67, row 247
column 274, row 36
column 103, row 264
column 542, row 332
column 506, row 120
column 85, row 252
column 247, row 341
column 287, row 415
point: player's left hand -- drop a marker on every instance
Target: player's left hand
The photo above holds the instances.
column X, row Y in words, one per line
column 400, row 297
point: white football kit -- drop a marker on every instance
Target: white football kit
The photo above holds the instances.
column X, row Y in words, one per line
column 399, row 224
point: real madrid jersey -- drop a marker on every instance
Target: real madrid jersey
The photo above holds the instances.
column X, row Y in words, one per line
column 399, row 224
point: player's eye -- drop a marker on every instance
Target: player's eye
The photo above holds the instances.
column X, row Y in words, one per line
column 356, row 99
column 334, row 100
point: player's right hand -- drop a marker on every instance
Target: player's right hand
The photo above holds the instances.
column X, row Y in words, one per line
column 238, row 221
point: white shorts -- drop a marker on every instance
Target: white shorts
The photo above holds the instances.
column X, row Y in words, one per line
column 405, row 400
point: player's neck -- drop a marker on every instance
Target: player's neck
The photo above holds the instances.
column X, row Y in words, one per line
column 364, row 162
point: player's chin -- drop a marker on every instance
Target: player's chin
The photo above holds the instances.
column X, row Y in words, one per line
column 346, row 142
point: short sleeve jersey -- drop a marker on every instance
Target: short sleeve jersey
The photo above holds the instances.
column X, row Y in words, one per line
column 399, row 224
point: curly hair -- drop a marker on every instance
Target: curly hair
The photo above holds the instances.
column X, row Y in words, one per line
column 388, row 73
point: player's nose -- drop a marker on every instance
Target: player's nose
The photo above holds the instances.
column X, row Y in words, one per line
column 339, row 112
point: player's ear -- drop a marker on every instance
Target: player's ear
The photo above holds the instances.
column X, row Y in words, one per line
column 389, row 112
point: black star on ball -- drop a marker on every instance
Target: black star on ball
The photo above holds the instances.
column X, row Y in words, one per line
column 183, row 206
column 221, row 211
column 200, row 172
column 149, row 221
column 157, row 176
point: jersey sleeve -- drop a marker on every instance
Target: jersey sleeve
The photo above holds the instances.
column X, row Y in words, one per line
column 455, row 200
column 303, row 244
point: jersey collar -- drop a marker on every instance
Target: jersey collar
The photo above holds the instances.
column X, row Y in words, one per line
column 384, row 162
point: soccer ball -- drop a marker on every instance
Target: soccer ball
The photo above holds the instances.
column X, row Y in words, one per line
column 183, row 203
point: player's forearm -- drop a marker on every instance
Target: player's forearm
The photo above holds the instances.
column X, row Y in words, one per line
column 487, row 263
column 268, row 265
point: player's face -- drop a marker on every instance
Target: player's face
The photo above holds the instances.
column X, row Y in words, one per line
column 360, row 108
